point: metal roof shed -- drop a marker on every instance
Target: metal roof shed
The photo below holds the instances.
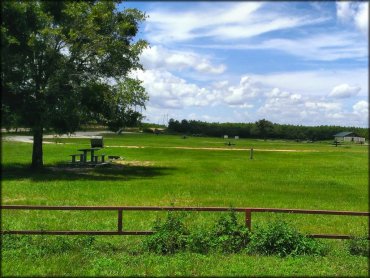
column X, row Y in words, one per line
column 344, row 134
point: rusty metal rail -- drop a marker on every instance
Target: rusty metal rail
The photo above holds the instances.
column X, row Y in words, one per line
column 248, row 217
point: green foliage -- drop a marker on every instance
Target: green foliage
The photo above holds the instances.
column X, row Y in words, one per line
column 200, row 241
column 65, row 64
column 228, row 236
column 169, row 237
column 260, row 129
column 264, row 128
column 358, row 246
column 279, row 238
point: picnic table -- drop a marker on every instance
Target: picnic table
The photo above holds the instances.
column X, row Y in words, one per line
column 85, row 151
column 229, row 144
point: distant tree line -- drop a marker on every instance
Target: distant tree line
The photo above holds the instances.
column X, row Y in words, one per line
column 261, row 129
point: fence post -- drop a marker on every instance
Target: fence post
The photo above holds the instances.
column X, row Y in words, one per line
column 120, row 220
column 248, row 219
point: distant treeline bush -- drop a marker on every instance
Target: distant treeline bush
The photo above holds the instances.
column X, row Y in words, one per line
column 261, row 129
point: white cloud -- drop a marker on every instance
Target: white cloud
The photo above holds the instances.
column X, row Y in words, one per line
column 157, row 57
column 355, row 13
column 241, row 94
column 318, row 47
column 362, row 108
column 169, row 91
column 344, row 91
column 293, row 108
column 344, row 10
column 169, row 25
column 319, row 82
column 220, row 84
column 322, row 47
column 362, row 18
column 221, row 22
column 246, row 100
column 277, row 93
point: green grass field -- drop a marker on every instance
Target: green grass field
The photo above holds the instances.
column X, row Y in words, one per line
column 169, row 170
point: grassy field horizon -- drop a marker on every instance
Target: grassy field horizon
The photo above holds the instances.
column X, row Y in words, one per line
column 163, row 170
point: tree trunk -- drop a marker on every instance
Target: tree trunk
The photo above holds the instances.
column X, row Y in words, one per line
column 37, row 155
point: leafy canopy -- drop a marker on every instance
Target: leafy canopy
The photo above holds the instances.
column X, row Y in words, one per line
column 65, row 63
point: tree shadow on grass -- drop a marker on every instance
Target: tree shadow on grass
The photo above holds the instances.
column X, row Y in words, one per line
column 67, row 172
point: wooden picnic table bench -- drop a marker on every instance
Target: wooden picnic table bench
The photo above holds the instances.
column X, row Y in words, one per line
column 91, row 151
column 76, row 155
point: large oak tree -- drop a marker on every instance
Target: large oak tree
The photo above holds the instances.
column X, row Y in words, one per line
column 65, row 63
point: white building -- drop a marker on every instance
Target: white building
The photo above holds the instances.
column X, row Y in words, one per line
column 348, row 137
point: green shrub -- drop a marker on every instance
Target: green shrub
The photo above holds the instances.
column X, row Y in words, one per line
column 228, row 236
column 358, row 246
column 279, row 238
column 169, row 237
column 199, row 241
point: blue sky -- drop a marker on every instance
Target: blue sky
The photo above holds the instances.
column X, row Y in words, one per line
column 289, row 62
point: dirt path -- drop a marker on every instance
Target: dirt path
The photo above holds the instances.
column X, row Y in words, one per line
column 88, row 134
column 29, row 139
column 212, row 149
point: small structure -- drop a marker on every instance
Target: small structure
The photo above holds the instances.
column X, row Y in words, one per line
column 236, row 137
column 347, row 136
column 226, row 136
column 229, row 143
column 96, row 142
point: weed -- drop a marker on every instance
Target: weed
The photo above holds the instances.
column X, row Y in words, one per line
column 358, row 246
column 12, row 242
column 279, row 238
column 42, row 245
column 169, row 237
column 228, row 236
column 199, row 241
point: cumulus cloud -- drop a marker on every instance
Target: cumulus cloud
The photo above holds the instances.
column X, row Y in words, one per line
column 356, row 13
column 220, row 84
column 169, row 91
column 344, row 91
column 286, row 107
column 362, row 108
column 159, row 57
column 245, row 100
column 362, row 18
column 344, row 10
column 241, row 94
column 314, row 82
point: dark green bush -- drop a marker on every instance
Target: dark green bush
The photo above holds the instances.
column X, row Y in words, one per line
column 228, row 236
column 199, row 241
column 279, row 238
column 169, row 237
column 358, row 246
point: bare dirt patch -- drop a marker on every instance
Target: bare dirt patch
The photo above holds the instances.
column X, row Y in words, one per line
column 134, row 163
column 214, row 149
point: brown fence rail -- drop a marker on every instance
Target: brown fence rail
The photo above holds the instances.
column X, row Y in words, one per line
column 248, row 217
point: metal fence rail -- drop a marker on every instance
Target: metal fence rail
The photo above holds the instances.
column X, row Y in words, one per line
column 248, row 217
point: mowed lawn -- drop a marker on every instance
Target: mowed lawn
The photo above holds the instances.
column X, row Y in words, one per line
column 163, row 170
